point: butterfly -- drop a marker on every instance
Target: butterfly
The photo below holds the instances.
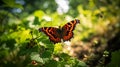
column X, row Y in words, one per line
column 64, row 33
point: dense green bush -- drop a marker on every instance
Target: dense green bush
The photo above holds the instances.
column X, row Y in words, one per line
column 21, row 44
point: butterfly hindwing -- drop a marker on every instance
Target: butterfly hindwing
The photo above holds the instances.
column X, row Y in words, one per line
column 68, row 28
column 53, row 33
column 56, row 34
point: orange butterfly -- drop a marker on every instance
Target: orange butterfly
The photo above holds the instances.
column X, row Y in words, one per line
column 56, row 34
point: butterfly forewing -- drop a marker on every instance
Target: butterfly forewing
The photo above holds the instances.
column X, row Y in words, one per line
column 68, row 28
column 56, row 34
column 53, row 33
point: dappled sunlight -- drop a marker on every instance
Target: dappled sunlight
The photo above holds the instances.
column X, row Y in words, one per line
column 63, row 6
column 39, row 14
column 94, row 42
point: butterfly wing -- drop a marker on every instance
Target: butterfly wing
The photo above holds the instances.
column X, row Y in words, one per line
column 68, row 28
column 52, row 32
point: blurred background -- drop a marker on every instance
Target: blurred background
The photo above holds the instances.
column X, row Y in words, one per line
column 96, row 40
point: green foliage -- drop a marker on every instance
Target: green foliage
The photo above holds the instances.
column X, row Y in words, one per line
column 11, row 4
column 21, row 42
column 115, row 59
column 35, row 56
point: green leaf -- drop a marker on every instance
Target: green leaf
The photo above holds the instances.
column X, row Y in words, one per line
column 12, row 4
column 46, row 54
column 36, row 21
column 81, row 64
column 58, row 48
column 35, row 56
column 9, row 2
column 115, row 60
column 51, row 63
column 39, row 14
column 65, row 56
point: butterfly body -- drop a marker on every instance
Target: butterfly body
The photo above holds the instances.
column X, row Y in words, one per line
column 56, row 34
